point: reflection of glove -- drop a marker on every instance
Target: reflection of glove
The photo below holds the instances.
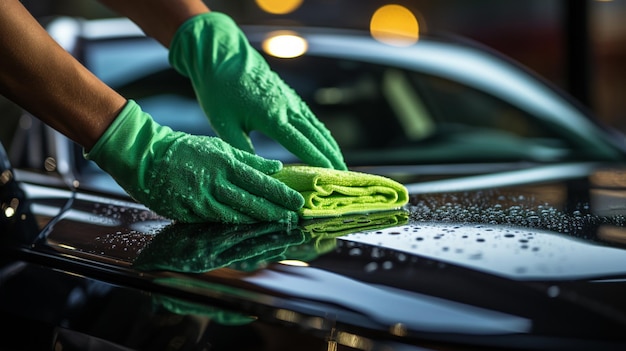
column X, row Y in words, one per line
column 198, row 248
column 191, row 178
column 239, row 93
column 217, row 315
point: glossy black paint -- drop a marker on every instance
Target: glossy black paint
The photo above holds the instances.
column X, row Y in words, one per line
column 110, row 273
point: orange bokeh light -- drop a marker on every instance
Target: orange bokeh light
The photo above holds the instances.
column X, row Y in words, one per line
column 394, row 25
column 279, row 7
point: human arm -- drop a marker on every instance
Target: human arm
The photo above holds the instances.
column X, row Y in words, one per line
column 40, row 76
column 159, row 19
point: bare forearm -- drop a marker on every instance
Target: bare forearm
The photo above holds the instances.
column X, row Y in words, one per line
column 39, row 75
column 158, row 18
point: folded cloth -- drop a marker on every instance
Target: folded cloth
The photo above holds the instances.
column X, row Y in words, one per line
column 330, row 192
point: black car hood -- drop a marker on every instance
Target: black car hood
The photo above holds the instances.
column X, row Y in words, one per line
column 540, row 264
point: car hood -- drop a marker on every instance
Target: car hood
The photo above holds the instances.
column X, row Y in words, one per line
column 492, row 260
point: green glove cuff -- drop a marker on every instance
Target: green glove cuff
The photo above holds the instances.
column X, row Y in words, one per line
column 133, row 150
column 128, row 135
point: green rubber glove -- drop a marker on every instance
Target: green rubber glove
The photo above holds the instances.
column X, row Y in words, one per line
column 191, row 178
column 240, row 93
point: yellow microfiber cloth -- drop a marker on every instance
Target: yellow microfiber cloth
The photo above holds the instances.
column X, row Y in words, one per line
column 330, row 192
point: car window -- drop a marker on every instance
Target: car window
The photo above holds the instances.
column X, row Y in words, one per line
column 411, row 116
column 456, row 104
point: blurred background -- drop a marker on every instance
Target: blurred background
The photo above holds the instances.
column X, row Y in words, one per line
column 579, row 45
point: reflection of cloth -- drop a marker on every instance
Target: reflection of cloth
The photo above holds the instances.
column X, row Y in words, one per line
column 329, row 192
column 339, row 226
column 197, row 248
column 324, row 232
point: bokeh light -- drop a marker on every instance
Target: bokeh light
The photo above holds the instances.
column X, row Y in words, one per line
column 9, row 212
column 294, row 263
column 394, row 25
column 285, row 44
column 279, row 7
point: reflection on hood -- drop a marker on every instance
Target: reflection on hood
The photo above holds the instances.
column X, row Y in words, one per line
column 217, row 315
column 323, row 233
column 197, row 248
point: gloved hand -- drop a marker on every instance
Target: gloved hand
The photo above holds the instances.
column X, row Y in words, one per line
column 191, row 178
column 239, row 92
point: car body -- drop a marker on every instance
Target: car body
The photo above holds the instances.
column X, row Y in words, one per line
column 513, row 237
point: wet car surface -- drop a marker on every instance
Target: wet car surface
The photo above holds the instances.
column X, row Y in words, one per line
column 528, row 266
column 503, row 252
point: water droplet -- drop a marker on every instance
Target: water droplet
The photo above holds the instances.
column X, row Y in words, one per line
column 370, row 267
column 476, row 256
column 553, row 291
column 355, row 252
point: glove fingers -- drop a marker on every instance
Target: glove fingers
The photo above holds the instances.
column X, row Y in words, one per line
column 253, row 206
column 306, row 137
column 229, row 214
column 236, row 137
column 311, row 148
column 320, row 136
column 269, row 188
column 255, row 163
column 310, row 118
